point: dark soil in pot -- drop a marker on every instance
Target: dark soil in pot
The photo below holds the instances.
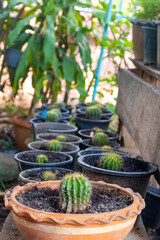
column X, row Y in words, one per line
column 36, row 174
column 27, row 160
column 69, row 137
column 47, row 200
column 105, row 112
column 88, row 143
column 84, row 123
column 135, row 173
column 89, row 133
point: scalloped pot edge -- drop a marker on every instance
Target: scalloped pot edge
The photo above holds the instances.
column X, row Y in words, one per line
column 75, row 230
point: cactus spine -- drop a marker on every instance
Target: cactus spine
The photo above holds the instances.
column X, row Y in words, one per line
column 48, row 175
column 111, row 161
column 93, row 113
column 41, row 158
column 54, row 145
column 61, row 138
column 51, row 116
column 75, row 192
column 100, row 139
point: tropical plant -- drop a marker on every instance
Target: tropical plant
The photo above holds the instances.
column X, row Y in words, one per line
column 75, row 192
column 56, row 33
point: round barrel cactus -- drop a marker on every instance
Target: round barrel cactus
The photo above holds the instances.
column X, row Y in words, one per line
column 61, row 138
column 94, row 102
column 97, row 130
column 75, row 192
column 60, row 104
column 100, row 139
column 54, row 145
column 93, row 113
column 48, row 175
column 111, row 161
column 51, row 116
column 41, row 158
column 106, row 147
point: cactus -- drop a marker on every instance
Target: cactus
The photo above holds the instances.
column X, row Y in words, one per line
column 52, row 107
column 93, row 113
column 51, row 116
column 75, row 192
column 41, row 158
column 60, row 104
column 111, row 161
column 48, row 175
column 100, row 139
column 106, row 147
column 54, row 145
column 93, row 103
column 97, row 130
column 61, row 138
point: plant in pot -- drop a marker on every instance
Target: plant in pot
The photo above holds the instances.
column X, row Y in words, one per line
column 55, row 145
column 100, row 140
column 145, row 32
column 43, row 159
column 59, row 105
column 59, row 115
column 92, row 118
column 42, row 174
column 89, row 133
column 90, row 211
column 117, row 169
column 61, row 137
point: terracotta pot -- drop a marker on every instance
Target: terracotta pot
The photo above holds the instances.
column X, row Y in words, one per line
column 22, row 132
column 35, row 224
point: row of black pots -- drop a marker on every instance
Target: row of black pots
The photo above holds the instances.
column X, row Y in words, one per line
column 67, row 109
column 105, row 113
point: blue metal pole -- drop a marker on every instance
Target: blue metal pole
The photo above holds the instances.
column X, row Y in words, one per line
column 105, row 32
column 120, row 5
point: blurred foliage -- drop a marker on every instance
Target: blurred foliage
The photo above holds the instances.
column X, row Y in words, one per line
column 148, row 9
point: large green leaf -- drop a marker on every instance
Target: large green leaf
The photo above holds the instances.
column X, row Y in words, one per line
column 18, row 28
column 68, row 66
column 23, row 67
column 13, row 3
column 83, row 93
column 49, row 40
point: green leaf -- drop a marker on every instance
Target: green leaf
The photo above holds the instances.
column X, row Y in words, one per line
column 4, row 14
column 83, row 93
column 15, row 2
column 68, row 66
column 49, row 40
column 22, row 69
column 18, row 28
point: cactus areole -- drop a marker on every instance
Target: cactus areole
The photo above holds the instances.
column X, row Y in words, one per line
column 75, row 192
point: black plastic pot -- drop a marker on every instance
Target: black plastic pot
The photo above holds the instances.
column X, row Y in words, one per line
column 137, row 181
column 23, row 176
column 67, row 148
column 66, row 160
column 70, row 138
column 83, row 105
column 13, row 57
column 88, row 143
column 65, row 116
column 105, row 113
column 151, row 213
column 38, row 120
column 48, row 127
column 85, row 134
column 150, row 45
column 68, row 106
column 83, row 123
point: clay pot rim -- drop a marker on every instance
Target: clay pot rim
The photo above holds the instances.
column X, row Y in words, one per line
column 79, row 219
column 16, row 121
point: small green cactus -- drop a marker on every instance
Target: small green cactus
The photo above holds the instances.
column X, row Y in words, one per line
column 60, row 104
column 41, row 158
column 54, row 145
column 93, row 103
column 111, row 161
column 48, row 175
column 51, row 116
column 106, row 147
column 97, row 130
column 52, row 107
column 93, row 113
column 75, row 192
column 100, row 139
column 61, row 138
